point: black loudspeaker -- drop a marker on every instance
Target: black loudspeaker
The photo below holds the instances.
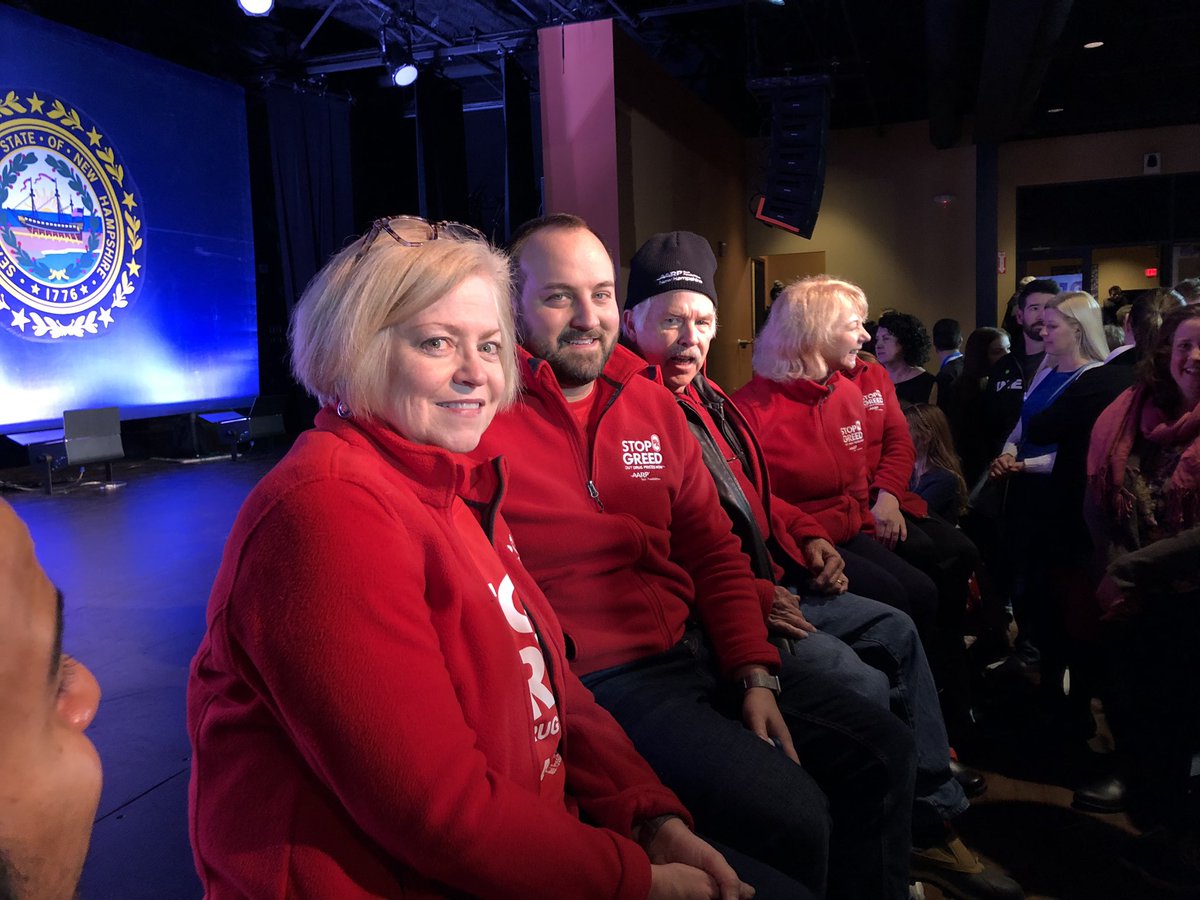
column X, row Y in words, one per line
column 796, row 165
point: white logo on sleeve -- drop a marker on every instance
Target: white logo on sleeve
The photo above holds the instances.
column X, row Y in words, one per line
column 873, row 402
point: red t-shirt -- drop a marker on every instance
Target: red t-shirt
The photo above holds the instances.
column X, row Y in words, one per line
column 584, row 412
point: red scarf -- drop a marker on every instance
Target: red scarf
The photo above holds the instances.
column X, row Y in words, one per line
column 1112, row 441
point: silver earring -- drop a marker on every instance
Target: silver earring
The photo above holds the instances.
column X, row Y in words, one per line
column 343, row 410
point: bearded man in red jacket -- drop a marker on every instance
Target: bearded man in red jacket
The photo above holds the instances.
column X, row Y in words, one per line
column 617, row 518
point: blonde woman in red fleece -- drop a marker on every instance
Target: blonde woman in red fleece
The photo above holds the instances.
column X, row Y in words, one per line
column 812, row 426
column 382, row 706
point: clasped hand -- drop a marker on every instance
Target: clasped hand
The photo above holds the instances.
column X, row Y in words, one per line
column 1004, row 465
column 685, row 867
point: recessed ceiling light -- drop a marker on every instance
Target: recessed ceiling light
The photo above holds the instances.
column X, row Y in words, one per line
column 1092, row 45
column 1056, row 109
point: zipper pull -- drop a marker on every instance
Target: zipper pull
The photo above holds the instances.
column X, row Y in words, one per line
column 595, row 495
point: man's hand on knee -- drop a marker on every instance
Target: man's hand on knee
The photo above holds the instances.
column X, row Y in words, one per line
column 786, row 615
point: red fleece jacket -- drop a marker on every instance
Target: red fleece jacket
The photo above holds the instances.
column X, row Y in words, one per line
column 361, row 720
column 812, row 436
column 624, row 532
column 890, row 451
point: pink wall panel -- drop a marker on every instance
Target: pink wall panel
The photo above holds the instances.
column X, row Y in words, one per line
column 579, row 143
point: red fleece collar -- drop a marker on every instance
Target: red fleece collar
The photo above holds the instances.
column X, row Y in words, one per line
column 437, row 475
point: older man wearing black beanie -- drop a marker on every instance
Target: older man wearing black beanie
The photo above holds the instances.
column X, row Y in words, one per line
column 670, row 319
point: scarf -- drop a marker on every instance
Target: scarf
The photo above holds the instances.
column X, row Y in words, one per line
column 1131, row 414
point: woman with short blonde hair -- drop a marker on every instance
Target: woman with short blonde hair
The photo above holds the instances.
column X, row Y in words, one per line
column 802, row 324
column 341, row 351
column 811, row 422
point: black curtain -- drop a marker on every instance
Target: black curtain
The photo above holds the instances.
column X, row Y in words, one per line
column 384, row 143
column 522, row 198
column 310, row 156
column 441, row 149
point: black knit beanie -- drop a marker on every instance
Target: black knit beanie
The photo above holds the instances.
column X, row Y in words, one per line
column 672, row 261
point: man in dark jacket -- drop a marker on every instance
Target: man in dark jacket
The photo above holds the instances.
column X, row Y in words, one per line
column 670, row 319
column 1012, row 374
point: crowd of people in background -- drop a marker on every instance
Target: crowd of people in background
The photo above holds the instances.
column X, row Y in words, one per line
column 537, row 609
column 1070, row 457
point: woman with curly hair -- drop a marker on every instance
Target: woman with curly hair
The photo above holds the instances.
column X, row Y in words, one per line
column 902, row 344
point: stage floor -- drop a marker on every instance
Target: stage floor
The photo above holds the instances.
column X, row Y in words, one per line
column 136, row 566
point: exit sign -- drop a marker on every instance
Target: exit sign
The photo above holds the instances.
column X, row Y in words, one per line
column 1152, row 273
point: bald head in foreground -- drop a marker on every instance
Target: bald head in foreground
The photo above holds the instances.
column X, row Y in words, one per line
column 49, row 770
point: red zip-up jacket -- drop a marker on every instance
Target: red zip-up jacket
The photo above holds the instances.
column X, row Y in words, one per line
column 360, row 716
column 625, row 533
column 890, row 451
column 813, row 438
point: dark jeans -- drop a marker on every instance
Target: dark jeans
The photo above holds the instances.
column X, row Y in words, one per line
column 948, row 557
column 879, row 573
column 839, row 823
column 886, row 640
column 1024, row 535
column 768, row 883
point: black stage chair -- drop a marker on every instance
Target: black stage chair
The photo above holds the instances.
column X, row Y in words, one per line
column 89, row 435
column 265, row 419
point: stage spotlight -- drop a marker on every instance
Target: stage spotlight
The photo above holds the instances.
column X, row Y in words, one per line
column 404, row 75
column 401, row 65
column 256, row 7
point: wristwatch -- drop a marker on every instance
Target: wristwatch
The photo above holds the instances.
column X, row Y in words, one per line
column 649, row 828
column 761, row 679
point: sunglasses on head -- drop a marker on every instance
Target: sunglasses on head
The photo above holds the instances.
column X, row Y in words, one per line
column 413, row 231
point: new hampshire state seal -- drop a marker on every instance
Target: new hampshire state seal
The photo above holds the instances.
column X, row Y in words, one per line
column 71, row 227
